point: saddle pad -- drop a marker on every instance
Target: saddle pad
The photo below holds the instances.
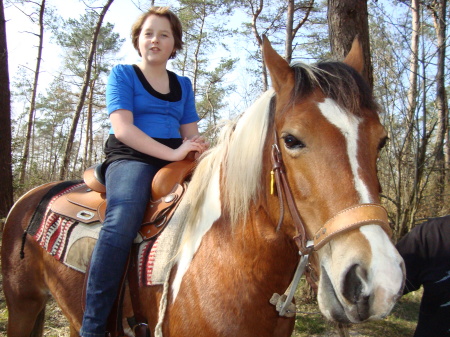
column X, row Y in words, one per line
column 53, row 230
column 43, row 208
column 72, row 242
column 155, row 262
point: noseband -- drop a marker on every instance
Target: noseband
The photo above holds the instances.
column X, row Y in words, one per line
column 343, row 222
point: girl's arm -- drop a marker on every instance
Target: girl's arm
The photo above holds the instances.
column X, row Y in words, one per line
column 129, row 134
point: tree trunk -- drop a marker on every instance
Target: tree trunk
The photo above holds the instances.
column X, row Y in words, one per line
column 291, row 31
column 258, row 38
column 346, row 20
column 197, row 51
column 26, row 147
column 439, row 8
column 407, row 200
column 87, row 76
column 6, row 186
column 88, row 145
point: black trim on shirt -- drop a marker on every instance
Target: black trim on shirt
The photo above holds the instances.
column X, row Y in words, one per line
column 116, row 150
column 174, row 86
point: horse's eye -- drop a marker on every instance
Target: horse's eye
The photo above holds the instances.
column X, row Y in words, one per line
column 293, row 143
column 383, row 143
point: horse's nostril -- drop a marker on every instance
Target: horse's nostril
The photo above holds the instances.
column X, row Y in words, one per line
column 354, row 283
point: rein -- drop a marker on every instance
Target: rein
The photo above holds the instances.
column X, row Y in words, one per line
column 344, row 221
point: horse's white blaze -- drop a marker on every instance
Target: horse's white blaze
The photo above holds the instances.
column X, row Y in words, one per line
column 210, row 212
column 348, row 124
column 385, row 259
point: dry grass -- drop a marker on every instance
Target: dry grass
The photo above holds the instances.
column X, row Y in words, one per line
column 401, row 322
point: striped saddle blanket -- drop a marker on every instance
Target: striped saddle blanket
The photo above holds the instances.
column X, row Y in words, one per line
column 71, row 240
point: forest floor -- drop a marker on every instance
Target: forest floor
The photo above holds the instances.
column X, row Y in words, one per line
column 401, row 322
column 309, row 323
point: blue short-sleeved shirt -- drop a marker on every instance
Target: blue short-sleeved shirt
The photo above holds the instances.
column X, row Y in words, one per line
column 156, row 117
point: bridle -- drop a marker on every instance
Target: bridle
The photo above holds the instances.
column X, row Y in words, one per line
column 344, row 221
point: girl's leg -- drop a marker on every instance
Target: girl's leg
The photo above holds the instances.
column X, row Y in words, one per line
column 127, row 193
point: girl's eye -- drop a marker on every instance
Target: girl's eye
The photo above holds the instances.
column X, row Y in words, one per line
column 293, row 143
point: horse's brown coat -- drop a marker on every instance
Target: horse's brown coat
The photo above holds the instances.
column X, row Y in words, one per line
column 227, row 287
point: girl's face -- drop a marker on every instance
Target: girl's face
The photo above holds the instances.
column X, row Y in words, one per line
column 156, row 42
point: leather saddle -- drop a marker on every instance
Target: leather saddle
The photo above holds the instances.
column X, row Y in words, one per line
column 87, row 202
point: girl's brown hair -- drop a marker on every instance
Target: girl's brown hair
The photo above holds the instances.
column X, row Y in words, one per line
column 175, row 24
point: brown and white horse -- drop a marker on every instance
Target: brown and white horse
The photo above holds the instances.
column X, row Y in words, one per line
column 238, row 248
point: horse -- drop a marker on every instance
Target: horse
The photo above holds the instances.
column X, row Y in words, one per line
column 294, row 176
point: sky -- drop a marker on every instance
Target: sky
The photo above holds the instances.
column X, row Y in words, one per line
column 22, row 44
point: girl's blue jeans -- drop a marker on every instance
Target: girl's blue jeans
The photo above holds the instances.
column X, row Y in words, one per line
column 127, row 192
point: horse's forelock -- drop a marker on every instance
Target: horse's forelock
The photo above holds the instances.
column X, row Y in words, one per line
column 337, row 81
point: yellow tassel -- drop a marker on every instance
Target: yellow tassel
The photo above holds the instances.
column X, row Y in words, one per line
column 272, row 182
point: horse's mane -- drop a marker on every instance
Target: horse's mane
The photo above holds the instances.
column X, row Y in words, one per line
column 239, row 150
column 238, row 154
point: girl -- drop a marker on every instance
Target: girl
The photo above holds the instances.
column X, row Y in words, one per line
column 153, row 122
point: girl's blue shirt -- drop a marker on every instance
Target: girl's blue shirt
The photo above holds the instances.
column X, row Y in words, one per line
column 157, row 118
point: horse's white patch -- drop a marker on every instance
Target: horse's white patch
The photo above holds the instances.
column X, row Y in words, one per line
column 210, row 212
column 385, row 259
column 348, row 124
column 239, row 155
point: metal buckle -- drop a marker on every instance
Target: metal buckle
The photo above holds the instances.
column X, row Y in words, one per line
column 85, row 215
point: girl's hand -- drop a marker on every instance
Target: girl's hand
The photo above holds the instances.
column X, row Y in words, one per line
column 201, row 141
column 188, row 146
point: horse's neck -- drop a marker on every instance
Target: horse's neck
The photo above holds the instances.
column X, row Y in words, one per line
column 256, row 248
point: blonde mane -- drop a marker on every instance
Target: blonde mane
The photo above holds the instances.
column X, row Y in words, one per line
column 238, row 154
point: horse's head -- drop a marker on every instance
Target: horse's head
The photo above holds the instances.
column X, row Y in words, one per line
column 329, row 135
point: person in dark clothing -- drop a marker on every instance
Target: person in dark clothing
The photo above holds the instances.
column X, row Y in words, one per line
column 426, row 252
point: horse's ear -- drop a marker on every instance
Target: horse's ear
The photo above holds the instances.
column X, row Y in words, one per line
column 355, row 58
column 280, row 71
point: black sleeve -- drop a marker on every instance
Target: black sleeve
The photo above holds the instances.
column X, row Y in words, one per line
column 426, row 252
column 410, row 248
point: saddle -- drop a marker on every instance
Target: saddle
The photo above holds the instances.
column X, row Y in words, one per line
column 87, row 202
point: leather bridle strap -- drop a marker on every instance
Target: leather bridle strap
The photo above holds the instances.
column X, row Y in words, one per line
column 351, row 218
column 283, row 188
